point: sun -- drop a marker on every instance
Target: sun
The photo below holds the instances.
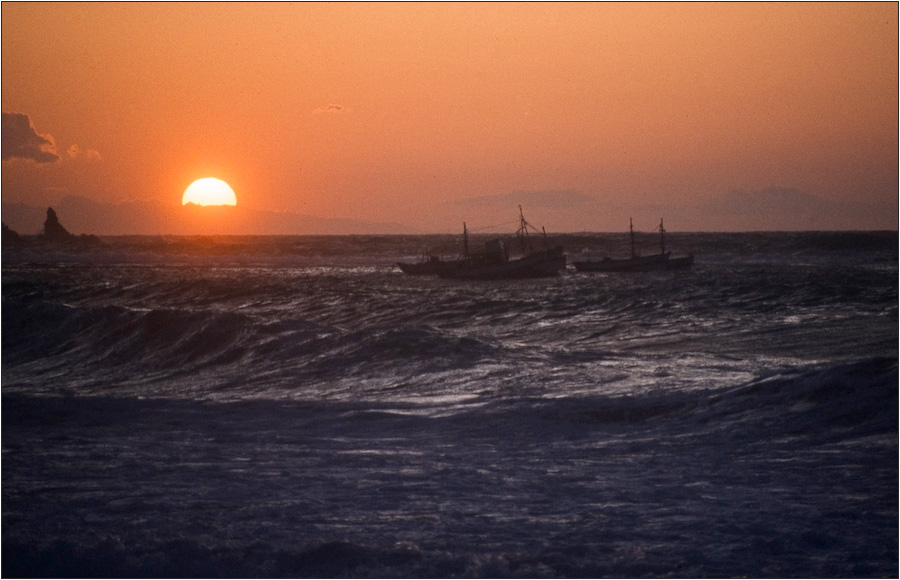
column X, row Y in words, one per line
column 209, row 191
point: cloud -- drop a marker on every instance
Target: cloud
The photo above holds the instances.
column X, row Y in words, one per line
column 22, row 141
column 76, row 152
column 558, row 198
column 331, row 109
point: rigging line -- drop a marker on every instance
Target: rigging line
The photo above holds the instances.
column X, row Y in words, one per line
column 493, row 226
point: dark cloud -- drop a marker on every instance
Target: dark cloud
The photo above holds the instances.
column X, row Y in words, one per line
column 21, row 140
column 333, row 109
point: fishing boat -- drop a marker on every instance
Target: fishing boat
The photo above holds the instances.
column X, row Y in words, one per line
column 495, row 263
column 428, row 265
column 637, row 263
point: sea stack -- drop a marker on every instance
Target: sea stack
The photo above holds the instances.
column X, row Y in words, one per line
column 53, row 230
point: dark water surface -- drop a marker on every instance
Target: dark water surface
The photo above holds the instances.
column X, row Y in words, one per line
column 296, row 406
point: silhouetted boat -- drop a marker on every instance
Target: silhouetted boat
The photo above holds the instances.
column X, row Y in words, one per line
column 636, row 263
column 427, row 266
column 495, row 263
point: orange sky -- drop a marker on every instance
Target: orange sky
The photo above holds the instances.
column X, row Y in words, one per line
column 404, row 112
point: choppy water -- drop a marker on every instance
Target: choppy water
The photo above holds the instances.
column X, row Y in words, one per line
column 296, row 406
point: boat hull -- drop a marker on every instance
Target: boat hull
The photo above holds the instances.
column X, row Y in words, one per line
column 544, row 264
column 680, row 263
column 652, row 263
column 427, row 268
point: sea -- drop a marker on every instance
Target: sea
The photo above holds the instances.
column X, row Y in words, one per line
column 298, row 407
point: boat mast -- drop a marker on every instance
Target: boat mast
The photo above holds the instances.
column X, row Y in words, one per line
column 631, row 229
column 523, row 231
column 662, row 237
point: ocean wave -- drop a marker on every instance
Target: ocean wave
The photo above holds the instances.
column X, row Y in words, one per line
column 164, row 344
column 682, row 483
column 819, row 402
column 822, row 402
column 111, row 558
column 299, row 407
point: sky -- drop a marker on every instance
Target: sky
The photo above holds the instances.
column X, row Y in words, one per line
column 716, row 116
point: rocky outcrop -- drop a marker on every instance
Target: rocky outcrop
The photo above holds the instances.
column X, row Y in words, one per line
column 10, row 237
column 55, row 237
column 53, row 230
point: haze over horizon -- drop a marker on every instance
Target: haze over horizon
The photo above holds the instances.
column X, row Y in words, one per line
column 416, row 117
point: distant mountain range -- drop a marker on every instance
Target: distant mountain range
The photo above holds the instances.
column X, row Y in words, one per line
column 772, row 209
column 82, row 215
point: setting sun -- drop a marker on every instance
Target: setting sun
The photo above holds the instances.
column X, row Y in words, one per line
column 209, row 191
